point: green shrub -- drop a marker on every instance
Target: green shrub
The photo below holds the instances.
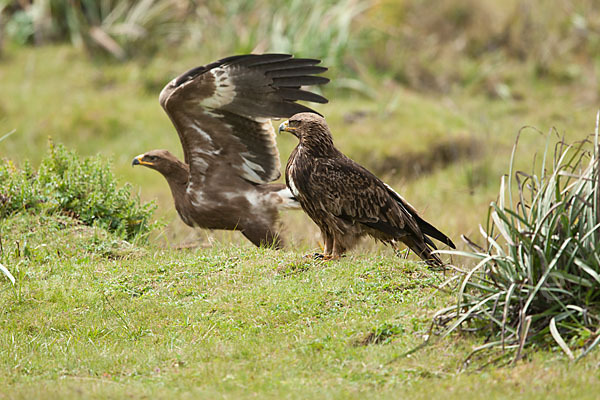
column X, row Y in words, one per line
column 84, row 188
column 539, row 277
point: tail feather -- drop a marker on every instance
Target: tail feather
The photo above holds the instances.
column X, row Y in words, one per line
column 432, row 231
column 425, row 226
column 422, row 250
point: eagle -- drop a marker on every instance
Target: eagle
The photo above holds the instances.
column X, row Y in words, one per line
column 346, row 201
column 222, row 112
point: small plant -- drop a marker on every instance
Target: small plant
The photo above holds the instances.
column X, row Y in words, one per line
column 84, row 189
column 539, row 277
column 382, row 334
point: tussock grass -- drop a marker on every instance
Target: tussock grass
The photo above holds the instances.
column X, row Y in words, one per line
column 537, row 281
column 117, row 28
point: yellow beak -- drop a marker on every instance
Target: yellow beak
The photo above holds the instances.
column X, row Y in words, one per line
column 139, row 161
column 285, row 127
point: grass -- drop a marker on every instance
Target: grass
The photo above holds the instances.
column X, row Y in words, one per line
column 93, row 316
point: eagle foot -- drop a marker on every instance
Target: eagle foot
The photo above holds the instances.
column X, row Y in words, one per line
column 321, row 256
column 316, row 256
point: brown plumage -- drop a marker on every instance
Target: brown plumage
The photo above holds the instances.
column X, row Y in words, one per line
column 345, row 200
column 222, row 114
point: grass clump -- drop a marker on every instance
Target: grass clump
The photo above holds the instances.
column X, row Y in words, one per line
column 382, row 334
column 84, row 189
column 539, row 277
column 119, row 28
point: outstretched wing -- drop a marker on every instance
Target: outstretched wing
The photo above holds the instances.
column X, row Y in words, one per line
column 222, row 111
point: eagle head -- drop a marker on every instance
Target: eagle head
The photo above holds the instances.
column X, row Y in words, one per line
column 160, row 160
column 311, row 129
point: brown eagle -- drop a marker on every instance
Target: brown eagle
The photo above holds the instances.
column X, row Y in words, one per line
column 345, row 200
column 222, row 112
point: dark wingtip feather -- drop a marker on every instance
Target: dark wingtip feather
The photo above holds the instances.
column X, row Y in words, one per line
column 295, row 82
column 189, row 75
column 297, row 94
column 255, row 60
column 296, row 71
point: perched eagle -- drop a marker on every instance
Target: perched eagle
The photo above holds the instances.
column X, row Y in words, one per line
column 345, row 200
column 222, row 112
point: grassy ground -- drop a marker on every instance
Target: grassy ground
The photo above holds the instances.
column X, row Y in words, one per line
column 92, row 316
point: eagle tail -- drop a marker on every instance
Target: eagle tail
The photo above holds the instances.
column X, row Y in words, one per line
column 432, row 231
column 422, row 249
column 424, row 226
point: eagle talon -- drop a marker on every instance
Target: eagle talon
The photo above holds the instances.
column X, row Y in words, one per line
column 322, row 257
column 315, row 256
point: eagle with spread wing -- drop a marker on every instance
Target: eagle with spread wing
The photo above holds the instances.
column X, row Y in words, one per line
column 345, row 200
column 222, row 113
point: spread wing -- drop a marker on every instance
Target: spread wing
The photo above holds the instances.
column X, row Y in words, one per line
column 222, row 111
column 347, row 190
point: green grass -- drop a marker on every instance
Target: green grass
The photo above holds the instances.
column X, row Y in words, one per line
column 93, row 316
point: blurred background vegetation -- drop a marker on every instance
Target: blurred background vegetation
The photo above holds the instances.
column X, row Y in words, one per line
column 429, row 95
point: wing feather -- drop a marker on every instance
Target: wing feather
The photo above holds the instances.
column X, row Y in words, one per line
column 297, row 81
column 297, row 94
column 296, row 71
column 349, row 191
column 425, row 226
column 222, row 111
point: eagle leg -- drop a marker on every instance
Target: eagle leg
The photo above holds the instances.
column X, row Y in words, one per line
column 328, row 243
column 338, row 249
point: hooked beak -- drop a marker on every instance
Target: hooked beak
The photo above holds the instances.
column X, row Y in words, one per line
column 285, row 127
column 139, row 160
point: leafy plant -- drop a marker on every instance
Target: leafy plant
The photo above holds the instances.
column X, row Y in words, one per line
column 84, row 188
column 539, row 277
